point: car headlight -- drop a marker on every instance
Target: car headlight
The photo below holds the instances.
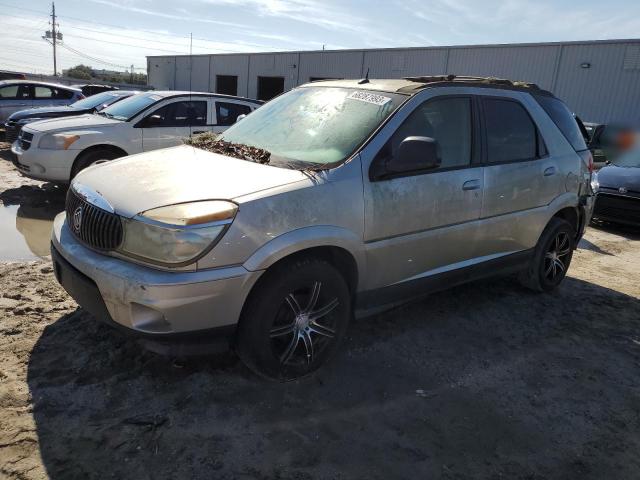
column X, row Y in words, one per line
column 57, row 141
column 595, row 185
column 177, row 234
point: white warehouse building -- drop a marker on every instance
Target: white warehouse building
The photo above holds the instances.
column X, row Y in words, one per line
column 599, row 80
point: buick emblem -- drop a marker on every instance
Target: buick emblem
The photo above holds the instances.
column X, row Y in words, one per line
column 77, row 219
column 622, row 190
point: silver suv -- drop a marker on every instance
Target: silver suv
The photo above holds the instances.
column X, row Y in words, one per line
column 347, row 196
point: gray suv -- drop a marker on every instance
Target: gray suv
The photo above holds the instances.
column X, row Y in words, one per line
column 336, row 197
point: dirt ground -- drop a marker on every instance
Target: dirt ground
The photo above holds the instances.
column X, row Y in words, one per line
column 487, row 380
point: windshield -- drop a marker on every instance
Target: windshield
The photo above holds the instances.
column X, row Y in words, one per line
column 316, row 125
column 94, row 100
column 130, row 107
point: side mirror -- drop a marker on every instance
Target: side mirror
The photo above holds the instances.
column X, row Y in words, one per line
column 240, row 117
column 414, row 154
column 152, row 121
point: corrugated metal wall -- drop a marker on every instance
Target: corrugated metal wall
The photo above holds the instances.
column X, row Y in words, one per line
column 607, row 90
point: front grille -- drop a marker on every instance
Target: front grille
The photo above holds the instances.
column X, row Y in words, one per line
column 25, row 139
column 93, row 226
column 614, row 207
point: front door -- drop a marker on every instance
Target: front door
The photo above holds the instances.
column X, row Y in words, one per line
column 14, row 97
column 424, row 223
column 170, row 124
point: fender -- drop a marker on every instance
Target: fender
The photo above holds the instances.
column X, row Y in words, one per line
column 305, row 238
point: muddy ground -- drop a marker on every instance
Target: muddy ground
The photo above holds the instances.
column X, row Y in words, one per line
column 487, row 380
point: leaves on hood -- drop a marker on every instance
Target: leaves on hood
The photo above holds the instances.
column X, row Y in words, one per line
column 210, row 143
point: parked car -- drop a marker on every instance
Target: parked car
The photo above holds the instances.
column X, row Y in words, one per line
column 21, row 94
column 93, row 89
column 364, row 193
column 91, row 104
column 57, row 149
column 618, row 190
column 7, row 75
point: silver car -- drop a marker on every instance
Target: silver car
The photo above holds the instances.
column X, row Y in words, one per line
column 354, row 196
column 18, row 95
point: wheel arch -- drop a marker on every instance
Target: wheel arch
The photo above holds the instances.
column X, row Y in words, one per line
column 338, row 246
column 102, row 146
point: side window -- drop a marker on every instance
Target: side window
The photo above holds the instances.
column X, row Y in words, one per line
column 448, row 121
column 511, row 134
column 19, row 92
column 43, row 92
column 227, row 113
column 179, row 114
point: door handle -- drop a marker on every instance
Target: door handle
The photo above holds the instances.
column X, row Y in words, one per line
column 471, row 185
column 549, row 171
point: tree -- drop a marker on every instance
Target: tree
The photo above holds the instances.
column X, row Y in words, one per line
column 82, row 72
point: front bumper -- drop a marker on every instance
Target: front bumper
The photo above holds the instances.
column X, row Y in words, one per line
column 50, row 165
column 11, row 131
column 160, row 306
column 622, row 209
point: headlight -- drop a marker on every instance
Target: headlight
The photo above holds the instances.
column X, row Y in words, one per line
column 595, row 185
column 57, row 141
column 177, row 234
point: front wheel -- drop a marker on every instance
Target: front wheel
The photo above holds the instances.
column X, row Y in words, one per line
column 551, row 258
column 294, row 319
column 90, row 158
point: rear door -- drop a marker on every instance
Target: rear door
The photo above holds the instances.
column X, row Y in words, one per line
column 519, row 176
column 14, row 97
column 227, row 113
column 423, row 223
column 45, row 96
column 170, row 124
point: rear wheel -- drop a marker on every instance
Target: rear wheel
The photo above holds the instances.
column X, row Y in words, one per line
column 92, row 157
column 294, row 320
column 552, row 257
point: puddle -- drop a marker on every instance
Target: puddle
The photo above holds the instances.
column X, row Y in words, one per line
column 26, row 220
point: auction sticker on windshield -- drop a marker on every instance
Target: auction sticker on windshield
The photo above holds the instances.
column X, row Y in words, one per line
column 369, row 98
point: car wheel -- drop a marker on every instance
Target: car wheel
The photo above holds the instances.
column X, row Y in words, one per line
column 92, row 157
column 294, row 319
column 551, row 258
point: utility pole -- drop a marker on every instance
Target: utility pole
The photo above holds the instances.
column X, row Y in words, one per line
column 131, row 76
column 53, row 31
column 54, row 35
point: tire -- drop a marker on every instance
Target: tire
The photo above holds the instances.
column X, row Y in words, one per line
column 552, row 257
column 277, row 338
column 86, row 159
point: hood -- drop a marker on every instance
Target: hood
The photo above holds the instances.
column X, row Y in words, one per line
column 45, row 112
column 176, row 175
column 613, row 176
column 77, row 122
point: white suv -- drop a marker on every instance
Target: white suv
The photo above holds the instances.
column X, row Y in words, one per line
column 57, row 149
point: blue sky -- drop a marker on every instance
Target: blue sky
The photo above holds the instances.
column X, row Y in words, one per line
column 118, row 33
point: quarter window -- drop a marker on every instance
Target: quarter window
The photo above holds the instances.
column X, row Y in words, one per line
column 181, row 114
column 448, row 121
column 511, row 134
column 227, row 113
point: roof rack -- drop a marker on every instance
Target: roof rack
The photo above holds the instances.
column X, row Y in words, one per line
column 469, row 79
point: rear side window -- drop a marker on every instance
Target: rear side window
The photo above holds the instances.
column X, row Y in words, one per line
column 227, row 113
column 43, row 92
column 564, row 120
column 511, row 134
column 62, row 94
